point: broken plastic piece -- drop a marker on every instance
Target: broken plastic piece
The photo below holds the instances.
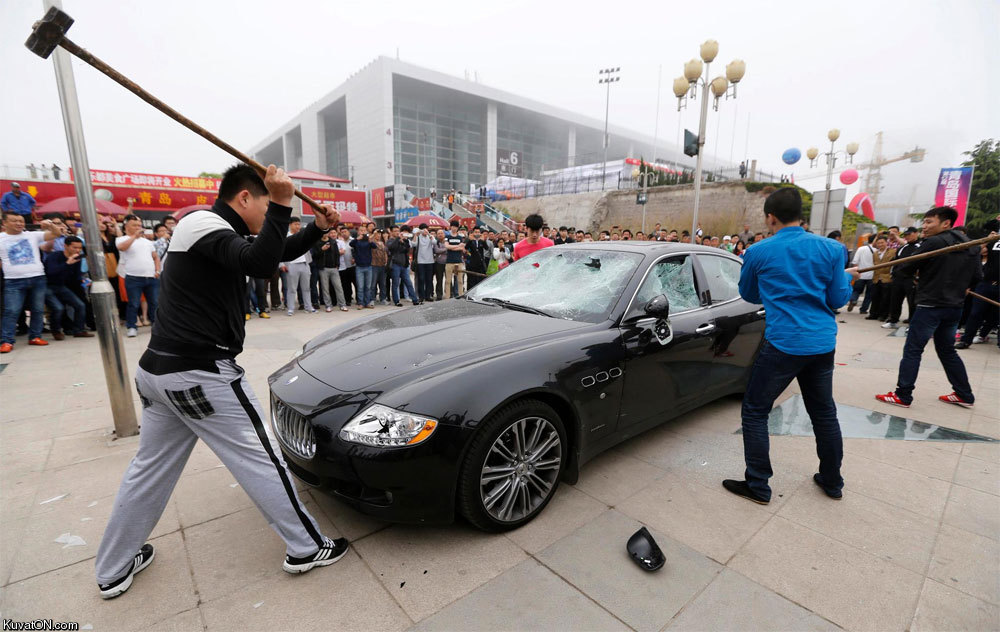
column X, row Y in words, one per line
column 644, row 551
column 68, row 540
column 53, row 499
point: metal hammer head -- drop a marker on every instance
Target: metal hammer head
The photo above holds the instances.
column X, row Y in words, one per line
column 48, row 32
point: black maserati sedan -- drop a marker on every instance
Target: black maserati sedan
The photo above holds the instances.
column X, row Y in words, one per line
column 482, row 405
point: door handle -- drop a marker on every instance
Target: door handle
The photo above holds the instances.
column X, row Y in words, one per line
column 705, row 329
column 761, row 311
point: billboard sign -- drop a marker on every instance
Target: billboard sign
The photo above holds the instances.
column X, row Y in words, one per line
column 340, row 199
column 383, row 201
column 402, row 215
column 509, row 163
column 953, row 189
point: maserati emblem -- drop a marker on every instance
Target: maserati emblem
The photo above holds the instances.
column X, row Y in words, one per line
column 291, row 379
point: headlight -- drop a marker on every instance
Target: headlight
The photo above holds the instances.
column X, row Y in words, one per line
column 382, row 426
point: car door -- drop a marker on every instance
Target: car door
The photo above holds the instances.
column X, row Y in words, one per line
column 739, row 326
column 662, row 375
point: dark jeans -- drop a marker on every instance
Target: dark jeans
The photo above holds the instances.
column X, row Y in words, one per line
column 363, row 281
column 59, row 298
column 772, row 372
column 439, row 281
column 983, row 316
column 899, row 290
column 347, row 282
column 860, row 286
column 15, row 293
column 939, row 323
column 425, row 281
column 136, row 287
column 380, row 284
column 401, row 274
column 880, row 300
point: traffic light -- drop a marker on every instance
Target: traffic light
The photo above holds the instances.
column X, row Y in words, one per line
column 690, row 143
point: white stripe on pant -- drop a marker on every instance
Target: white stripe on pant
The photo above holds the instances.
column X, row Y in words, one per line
column 234, row 431
column 298, row 278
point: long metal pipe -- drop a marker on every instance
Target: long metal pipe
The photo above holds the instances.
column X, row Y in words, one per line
column 102, row 294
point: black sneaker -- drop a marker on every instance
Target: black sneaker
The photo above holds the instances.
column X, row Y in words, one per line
column 117, row 587
column 961, row 344
column 740, row 488
column 837, row 495
column 330, row 552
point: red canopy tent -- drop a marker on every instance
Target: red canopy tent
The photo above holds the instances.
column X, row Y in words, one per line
column 181, row 212
column 69, row 207
column 353, row 217
column 432, row 221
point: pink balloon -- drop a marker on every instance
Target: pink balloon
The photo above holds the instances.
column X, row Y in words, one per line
column 849, row 176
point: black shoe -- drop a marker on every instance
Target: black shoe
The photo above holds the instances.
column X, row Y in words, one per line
column 117, row 587
column 398, row 304
column 961, row 344
column 330, row 552
column 871, row 317
column 837, row 495
column 850, row 307
column 862, row 311
column 906, row 321
column 740, row 488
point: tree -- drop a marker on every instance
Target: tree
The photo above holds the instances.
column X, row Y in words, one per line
column 205, row 174
column 984, row 199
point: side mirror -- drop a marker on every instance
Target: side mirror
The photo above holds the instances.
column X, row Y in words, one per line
column 658, row 307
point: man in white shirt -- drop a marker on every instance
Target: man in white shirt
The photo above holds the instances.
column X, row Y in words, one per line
column 24, row 277
column 347, row 280
column 864, row 257
column 298, row 273
column 142, row 272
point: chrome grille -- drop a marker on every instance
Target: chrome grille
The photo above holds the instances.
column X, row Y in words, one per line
column 293, row 430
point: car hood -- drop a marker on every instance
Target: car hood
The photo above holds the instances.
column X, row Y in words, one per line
column 359, row 355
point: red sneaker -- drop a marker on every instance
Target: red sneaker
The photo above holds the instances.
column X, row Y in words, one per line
column 6, row 347
column 955, row 399
column 891, row 398
column 38, row 342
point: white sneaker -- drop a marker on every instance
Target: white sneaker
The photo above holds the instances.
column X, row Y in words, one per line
column 978, row 340
column 329, row 309
column 290, row 312
column 890, row 326
column 131, row 332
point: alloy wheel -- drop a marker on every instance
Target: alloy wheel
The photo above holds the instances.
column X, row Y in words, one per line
column 521, row 469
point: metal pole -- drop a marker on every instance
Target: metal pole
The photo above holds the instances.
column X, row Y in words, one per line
column 607, row 110
column 102, row 294
column 830, row 160
column 701, row 152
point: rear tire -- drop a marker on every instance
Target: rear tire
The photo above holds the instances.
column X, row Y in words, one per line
column 512, row 467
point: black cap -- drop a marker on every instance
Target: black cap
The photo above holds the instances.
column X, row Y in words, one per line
column 910, row 231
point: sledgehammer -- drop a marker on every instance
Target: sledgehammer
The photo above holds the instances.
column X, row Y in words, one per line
column 50, row 32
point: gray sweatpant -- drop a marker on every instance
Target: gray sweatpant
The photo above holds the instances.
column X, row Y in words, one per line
column 219, row 408
column 327, row 277
column 298, row 278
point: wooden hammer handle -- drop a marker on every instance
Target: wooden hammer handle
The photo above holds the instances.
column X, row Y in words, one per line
column 933, row 253
column 138, row 91
column 983, row 298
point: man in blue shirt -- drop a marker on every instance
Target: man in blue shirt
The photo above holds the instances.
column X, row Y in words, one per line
column 18, row 202
column 800, row 280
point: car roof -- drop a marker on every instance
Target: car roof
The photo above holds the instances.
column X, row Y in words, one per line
column 654, row 248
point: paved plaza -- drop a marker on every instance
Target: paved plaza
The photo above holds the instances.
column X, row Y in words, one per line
column 912, row 546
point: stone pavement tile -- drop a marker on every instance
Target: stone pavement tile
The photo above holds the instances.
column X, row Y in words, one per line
column 716, row 523
column 973, row 511
column 527, row 597
column 87, row 446
column 26, row 457
column 39, row 552
column 457, row 559
column 20, row 432
column 18, row 406
column 942, row 608
column 11, row 534
column 894, row 534
column 344, row 596
column 978, row 474
column 88, row 419
column 88, row 479
column 568, row 510
column 17, row 494
column 223, row 563
column 350, row 522
column 967, row 562
column 984, row 425
column 849, row 587
column 593, row 559
column 180, row 622
column 930, row 458
column 902, row 488
column 989, row 452
column 614, row 476
column 209, row 494
column 70, row 593
column 733, row 602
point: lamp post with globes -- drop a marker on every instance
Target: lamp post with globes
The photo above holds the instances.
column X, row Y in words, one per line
column 831, row 161
column 686, row 87
column 608, row 77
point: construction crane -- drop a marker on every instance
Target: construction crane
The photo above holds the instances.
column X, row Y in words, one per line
column 873, row 178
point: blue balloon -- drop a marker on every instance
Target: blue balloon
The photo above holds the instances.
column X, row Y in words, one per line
column 791, row 156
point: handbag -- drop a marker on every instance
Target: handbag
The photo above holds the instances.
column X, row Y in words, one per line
column 492, row 268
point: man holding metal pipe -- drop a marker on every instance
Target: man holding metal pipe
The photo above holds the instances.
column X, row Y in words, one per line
column 191, row 386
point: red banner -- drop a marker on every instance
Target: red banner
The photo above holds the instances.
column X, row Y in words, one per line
column 378, row 202
column 341, row 199
column 422, row 204
column 144, row 198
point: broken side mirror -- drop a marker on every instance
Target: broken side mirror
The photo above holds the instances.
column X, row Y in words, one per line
column 658, row 307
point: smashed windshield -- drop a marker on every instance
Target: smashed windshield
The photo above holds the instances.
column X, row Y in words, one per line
column 581, row 285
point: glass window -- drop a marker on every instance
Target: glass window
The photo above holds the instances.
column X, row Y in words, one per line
column 580, row 285
column 723, row 276
column 674, row 278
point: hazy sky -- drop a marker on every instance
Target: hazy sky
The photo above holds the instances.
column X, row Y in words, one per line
column 923, row 72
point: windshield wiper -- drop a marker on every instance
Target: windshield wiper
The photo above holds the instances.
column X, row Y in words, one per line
column 502, row 302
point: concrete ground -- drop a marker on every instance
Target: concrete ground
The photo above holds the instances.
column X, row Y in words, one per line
column 912, row 546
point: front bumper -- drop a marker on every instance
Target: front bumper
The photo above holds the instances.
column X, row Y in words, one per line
column 408, row 484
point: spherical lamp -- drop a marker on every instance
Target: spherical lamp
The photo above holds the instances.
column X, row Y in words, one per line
column 735, row 70
column 692, row 70
column 811, row 153
column 719, row 86
column 852, row 148
column 681, row 86
column 833, row 135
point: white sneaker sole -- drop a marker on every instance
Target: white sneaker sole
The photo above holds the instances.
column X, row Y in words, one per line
column 125, row 585
column 296, row 569
column 962, row 404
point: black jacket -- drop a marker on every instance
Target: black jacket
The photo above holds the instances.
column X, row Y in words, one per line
column 329, row 258
column 399, row 251
column 60, row 273
column 202, row 306
column 479, row 254
column 901, row 273
column 942, row 280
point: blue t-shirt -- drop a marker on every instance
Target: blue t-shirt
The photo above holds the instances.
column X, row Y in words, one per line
column 21, row 205
column 800, row 279
column 362, row 252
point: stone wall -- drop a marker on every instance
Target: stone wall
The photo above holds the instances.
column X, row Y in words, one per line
column 724, row 208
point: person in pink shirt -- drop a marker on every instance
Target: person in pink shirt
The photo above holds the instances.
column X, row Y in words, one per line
column 534, row 241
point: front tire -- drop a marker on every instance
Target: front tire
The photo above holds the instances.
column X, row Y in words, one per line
column 512, row 467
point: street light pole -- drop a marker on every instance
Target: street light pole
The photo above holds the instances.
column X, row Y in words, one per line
column 102, row 294
column 609, row 77
column 701, row 152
